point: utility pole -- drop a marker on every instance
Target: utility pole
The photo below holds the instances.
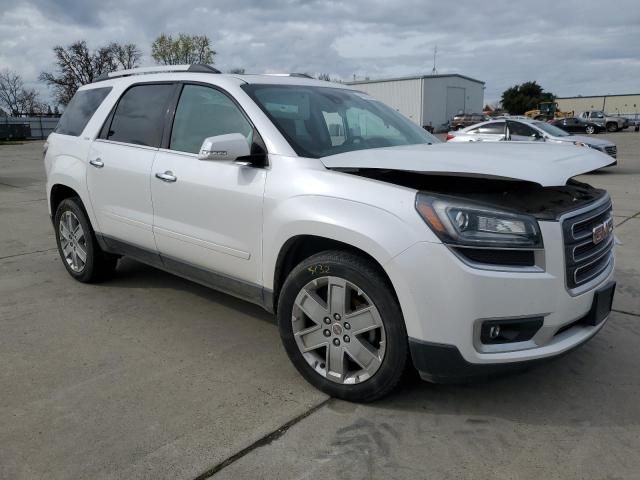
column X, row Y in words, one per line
column 435, row 52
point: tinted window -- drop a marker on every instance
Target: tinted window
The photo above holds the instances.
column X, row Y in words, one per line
column 321, row 121
column 490, row 128
column 80, row 110
column 139, row 116
column 205, row 112
column 520, row 129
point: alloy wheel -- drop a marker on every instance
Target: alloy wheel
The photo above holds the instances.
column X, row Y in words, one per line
column 338, row 330
column 73, row 241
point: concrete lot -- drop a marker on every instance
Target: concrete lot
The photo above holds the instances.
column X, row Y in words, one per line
column 151, row 376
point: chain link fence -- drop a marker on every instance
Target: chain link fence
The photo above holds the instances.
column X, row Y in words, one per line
column 27, row 128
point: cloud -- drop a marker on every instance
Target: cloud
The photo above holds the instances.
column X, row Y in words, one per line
column 570, row 47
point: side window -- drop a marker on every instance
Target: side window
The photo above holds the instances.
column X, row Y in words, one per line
column 139, row 116
column 335, row 126
column 364, row 123
column 520, row 129
column 80, row 110
column 491, row 128
column 205, row 112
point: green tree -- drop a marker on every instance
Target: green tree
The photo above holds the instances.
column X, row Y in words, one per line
column 325, row 77
column 527, row 96
column 237, row 71
column 186, row 49
column 76, row 65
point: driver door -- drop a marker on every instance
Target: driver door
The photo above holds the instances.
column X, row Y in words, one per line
column 207, row 214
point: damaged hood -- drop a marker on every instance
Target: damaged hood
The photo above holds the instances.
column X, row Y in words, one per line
column 542, row 163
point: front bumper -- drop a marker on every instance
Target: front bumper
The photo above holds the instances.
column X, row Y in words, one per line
column 444, row 364
column 443, row 301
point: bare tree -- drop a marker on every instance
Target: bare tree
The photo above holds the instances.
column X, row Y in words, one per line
column 30, row 103
column 15, row 97
column 11, row 87
column 186, row 49
column 126, row 55
column 77, row 65
column 237, row 71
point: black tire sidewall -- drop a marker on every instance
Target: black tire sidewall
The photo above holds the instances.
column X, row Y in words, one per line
column 73, row 205
column 364, row 275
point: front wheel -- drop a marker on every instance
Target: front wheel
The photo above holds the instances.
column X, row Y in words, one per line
column 342, row 326
column 590, row 129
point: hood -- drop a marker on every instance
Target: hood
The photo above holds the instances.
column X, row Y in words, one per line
column 598, row 142
column 542, row 163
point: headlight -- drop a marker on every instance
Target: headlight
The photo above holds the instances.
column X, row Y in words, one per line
column 460, row 222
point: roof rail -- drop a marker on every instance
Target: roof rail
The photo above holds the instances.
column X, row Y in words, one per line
column 196, row 67
column 300, row 75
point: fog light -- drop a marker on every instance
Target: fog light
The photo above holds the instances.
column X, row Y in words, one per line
column 494, row 331
column 509, row 330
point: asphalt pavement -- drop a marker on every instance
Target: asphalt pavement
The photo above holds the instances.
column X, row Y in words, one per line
column 151, row 376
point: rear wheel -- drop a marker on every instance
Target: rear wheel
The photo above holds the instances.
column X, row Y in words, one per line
column 342, row 326
column 77, row 244
column 612, row 127
column 590, row 129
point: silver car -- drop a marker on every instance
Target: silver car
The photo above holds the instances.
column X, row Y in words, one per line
column 508, row 129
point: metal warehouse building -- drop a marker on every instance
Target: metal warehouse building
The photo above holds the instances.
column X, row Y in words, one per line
column 628, row 105
column 428, row 100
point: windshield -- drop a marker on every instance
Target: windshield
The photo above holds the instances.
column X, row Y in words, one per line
column 551, row 130
column 322, row 121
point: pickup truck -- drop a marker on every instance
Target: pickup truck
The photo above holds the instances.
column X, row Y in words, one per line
column 611, row 123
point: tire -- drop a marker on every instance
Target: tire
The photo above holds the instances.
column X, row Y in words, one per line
column 368, row 365
column 590, row 129
column 97, row 265
column 612, row 127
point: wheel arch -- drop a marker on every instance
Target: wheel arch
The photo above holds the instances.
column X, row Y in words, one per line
column 299, row 247
column 57, row 194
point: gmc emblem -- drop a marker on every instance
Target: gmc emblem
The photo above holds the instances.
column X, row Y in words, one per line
column 602, row 231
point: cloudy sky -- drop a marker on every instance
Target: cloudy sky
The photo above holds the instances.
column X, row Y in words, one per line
column 569, row 46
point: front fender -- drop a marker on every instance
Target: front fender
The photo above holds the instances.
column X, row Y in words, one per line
column 376, row 231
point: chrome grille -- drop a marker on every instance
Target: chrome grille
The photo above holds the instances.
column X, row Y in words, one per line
column 586, row 258
column 612, row 151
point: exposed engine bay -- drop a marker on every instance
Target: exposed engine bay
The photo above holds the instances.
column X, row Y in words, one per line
column 545, row 203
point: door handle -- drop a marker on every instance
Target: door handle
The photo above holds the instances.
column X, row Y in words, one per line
column 167, row 176
column 97, row 162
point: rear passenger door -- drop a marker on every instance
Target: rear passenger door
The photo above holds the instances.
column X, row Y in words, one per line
column 208, row 213
column 120, row 164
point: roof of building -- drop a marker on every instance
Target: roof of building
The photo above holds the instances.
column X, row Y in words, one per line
column 415, row 77
column 574, row 97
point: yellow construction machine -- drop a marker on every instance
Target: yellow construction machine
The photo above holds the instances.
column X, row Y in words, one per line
column 547, row 111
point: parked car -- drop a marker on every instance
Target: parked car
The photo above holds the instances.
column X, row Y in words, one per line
column 611, row 123
column 374, row 244
column 528, row 130
column 466, row 119
column 577, row 125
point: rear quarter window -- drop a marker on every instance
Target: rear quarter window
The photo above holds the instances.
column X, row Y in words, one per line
column 80, row 110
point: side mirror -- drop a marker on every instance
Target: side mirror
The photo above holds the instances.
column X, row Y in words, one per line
column 224, row 147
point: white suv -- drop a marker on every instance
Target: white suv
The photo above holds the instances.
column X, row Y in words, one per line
column 375, row 244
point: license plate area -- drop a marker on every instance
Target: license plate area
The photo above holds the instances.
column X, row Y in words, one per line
column 601, row 306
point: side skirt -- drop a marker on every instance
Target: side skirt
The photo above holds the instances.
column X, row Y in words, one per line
column 250, row 292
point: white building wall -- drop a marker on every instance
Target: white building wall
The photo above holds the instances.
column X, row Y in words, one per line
column 403, row 95
column 439, row 106
column 428, row 101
